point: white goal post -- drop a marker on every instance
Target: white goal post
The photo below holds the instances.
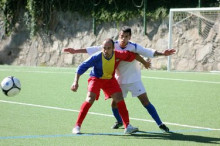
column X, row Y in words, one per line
column 203, row 21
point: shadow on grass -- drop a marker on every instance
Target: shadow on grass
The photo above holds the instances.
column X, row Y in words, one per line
column 177, row 137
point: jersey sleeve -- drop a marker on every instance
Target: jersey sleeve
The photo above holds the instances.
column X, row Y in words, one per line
column 84, row 66
column 125, row 55
column 146, row 52
column 92, row 50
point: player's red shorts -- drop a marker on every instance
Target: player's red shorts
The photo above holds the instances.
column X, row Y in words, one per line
column 109, row 86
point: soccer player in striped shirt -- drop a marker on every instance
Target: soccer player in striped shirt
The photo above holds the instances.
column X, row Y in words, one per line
column 128, row 74
column 102, row 77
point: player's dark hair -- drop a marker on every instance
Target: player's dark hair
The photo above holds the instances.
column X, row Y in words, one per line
column 126, row 29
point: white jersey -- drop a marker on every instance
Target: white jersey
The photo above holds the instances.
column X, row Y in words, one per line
column 127, row 72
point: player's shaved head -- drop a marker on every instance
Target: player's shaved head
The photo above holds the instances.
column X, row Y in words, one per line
column 108, row 40
column 108, row 48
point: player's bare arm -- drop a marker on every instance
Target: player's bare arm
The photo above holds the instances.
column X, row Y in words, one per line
column 74, row 51
column 75, row 84
column 146, row 63
column 165, row 53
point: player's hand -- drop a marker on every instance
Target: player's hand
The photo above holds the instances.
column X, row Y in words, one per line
column 147, row 64
column 74, row 86
column 69, row 50
column 169, row 52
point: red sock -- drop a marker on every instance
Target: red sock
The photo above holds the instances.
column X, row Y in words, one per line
column 83, row 112
column 122, row 109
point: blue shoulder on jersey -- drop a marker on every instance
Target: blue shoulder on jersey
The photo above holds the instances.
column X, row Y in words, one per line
column 134, row 44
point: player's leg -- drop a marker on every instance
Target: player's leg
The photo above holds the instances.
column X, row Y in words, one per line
column 122, row 109
column 85, row 108
column 113, row 90
column 150, row 108
column 94, row 85
column 115, row 112
column 117, row 116
column 137, row 89
column 152, row 111
column 83, row 111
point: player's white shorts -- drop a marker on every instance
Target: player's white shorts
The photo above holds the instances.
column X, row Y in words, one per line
column 136, row 89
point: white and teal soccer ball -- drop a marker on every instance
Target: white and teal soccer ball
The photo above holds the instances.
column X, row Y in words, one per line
column 10, row 86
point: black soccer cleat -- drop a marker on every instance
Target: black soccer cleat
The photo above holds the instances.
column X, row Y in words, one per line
column 117, row 125
column 164, row 128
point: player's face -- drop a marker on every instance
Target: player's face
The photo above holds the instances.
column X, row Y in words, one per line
column 124, row 37
column 107, row 49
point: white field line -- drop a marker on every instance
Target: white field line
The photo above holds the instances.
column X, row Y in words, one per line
column 73, row 72
column 73, row 69
column 100, row 114
column 182, row 80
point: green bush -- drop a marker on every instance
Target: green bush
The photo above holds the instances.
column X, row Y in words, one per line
column 38, row 12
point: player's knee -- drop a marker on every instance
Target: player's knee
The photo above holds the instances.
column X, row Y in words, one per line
column 144, row 99
column 145, row 103
column 90, row 99
column 117, row 97
column 114, row 104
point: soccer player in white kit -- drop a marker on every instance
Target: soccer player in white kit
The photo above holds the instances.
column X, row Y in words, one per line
column 128, row 74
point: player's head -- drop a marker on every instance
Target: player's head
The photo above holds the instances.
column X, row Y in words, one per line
column 124, row 36
column 108, row 48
